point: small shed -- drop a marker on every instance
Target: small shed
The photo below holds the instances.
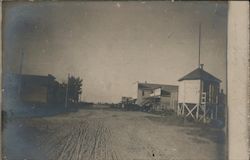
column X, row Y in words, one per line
column 198, row 95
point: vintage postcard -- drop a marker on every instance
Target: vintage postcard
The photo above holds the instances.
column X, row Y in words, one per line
column 123, row 80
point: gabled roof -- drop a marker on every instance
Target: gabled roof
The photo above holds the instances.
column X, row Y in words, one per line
column 152, row 86
column 200, row 74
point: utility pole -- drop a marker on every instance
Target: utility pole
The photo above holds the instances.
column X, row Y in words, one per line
column 20, row 73
column 67, row 90
column 21, row 63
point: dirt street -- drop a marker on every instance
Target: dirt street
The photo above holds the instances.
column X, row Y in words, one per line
column 107, row 135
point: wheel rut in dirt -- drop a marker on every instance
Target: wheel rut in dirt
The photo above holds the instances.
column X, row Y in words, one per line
column 85, row 140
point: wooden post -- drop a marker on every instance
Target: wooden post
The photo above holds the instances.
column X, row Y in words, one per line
column 183, row 109
column 197, row 111
column 200, row 98
column 204, row 114
column 216, row 111
column 178, row 109
column 212, row 112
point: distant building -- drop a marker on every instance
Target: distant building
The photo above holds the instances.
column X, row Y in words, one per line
column 157, row 96
column 29, row 88
column 36, row 88
column 199, row 95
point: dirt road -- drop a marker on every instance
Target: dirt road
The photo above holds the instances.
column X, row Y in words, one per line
column 107, row 135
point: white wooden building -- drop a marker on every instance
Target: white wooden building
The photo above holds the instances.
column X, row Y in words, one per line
column 157, row 96
column 198, row 95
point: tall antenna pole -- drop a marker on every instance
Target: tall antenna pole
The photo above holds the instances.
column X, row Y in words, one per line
column 199, row 66
column 199, row 61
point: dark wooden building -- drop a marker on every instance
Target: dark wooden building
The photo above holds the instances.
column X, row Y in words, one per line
column 29, row 88
column 37, row 88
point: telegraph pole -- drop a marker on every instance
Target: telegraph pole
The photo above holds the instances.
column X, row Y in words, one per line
column 67, row 90
column 21, row 63
column 20, row 73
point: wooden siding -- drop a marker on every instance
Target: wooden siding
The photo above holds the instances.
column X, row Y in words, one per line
column 212, row 92
column 34, row 94
column 189, row 91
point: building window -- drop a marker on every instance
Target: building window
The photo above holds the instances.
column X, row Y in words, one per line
column 142, row 93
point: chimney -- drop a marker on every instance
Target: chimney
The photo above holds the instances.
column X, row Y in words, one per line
column 201, row 66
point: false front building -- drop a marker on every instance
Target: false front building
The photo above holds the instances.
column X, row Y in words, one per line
column 157, row 96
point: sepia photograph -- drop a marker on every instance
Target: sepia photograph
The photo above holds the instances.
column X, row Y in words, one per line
column 114, row 80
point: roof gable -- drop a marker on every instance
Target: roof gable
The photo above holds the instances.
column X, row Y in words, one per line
column 200, row 74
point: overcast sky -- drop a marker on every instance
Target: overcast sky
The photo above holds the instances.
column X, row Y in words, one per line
column 112, row 45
